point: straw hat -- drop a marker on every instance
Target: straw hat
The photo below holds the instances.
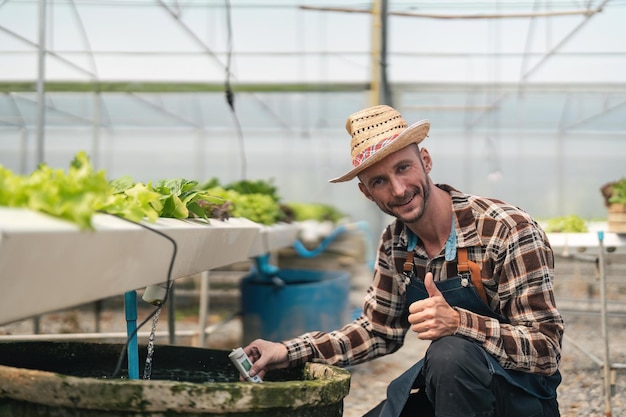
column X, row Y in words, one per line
column 377, row 132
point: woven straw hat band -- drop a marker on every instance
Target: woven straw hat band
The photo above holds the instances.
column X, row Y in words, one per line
column 373, row 125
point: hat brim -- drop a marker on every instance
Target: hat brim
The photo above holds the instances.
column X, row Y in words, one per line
column 412, row 134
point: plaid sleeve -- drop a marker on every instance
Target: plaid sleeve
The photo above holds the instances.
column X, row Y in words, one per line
column 378, row 331
column 532, row 340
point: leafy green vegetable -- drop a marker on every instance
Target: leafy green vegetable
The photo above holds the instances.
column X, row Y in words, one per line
column 175, row 198
column 618, row 192
column 313, row 211
column 259, row 208
column 211, row 183
column 181, row 199
column 80, row 192
column 265, row 187
column 11, row 193
column 566, row 224
column 74, row 195
column 133, row 201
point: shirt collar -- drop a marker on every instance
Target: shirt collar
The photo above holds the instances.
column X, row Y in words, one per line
column 465, row 232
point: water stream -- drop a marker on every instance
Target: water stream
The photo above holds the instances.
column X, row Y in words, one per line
column 147, row 372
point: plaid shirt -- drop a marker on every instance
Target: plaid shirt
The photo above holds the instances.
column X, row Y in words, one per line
column 517, row 269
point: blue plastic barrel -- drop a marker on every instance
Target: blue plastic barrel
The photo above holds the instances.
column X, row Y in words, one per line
column 292, row 302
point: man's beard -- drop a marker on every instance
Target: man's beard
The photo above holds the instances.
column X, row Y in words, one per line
column 414, row 193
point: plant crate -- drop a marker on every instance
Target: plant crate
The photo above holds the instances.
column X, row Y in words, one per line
column 617, row 218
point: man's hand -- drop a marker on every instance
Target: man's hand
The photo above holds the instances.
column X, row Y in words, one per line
column 266, row 355
column 433, row 317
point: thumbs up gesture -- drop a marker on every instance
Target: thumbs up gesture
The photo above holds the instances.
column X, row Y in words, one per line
column 432, row 317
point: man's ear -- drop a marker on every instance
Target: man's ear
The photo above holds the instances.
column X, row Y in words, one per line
column 427, row 162
column 365, row 192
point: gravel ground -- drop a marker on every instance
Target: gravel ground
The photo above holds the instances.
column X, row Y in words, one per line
column 580, row 395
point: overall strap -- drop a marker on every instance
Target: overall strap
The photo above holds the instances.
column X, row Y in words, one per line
column 464, row 265
column 408, row 262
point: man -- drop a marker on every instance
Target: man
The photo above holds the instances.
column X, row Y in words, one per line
column 471, row 274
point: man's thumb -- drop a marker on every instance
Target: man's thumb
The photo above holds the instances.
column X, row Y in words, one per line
column 429, row 283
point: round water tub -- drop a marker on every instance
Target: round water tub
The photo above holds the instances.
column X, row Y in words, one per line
column 292, row 302
column 75, row 379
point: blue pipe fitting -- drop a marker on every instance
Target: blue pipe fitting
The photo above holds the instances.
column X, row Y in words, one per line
column 130, row 306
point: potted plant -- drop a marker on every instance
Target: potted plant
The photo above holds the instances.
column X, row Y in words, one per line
column 614, row 194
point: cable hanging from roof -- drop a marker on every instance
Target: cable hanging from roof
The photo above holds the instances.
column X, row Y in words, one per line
column 230, row 96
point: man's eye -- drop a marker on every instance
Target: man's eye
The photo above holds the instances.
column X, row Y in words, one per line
column 377, row 182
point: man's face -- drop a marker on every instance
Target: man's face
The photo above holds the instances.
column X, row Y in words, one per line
column 399, row 184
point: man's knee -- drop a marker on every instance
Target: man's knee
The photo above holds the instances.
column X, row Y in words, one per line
column 457, row 381
column 454, row 356
column 456, row 378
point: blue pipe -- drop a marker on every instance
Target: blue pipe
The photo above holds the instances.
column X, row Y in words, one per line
column 264, row 267
column 270, row 272
column 362, row 225
column 130, row 305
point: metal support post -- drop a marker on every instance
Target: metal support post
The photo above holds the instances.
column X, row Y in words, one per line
column 171, row 315
column 605, row 334
column 203, row 308
column 41, row 84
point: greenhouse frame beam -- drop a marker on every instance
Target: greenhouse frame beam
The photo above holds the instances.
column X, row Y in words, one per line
column 48, row 52
column 562, row 43
column 56, row 110
column 226, row 86
column 494, row 105
column 177, row 87
column 488, row 109
column 340, row 53
column 41, row 86
column 184, row 87
column 602, row 112
column 165, row 111
column 193, row 36
column 603, row 98
column 543, row 60
column 85, row 39
column 20, row 122
column 586, row 12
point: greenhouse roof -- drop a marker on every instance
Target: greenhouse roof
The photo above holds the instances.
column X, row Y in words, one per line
column 550, row 65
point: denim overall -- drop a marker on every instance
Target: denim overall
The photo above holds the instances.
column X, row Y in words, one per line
column 460, row 292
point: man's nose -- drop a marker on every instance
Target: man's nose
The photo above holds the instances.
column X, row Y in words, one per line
column 397, row 187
